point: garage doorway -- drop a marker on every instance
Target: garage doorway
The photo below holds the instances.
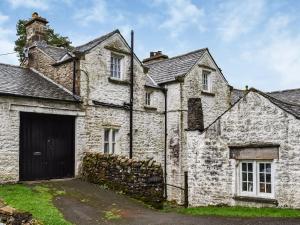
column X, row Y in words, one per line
column 47, row 148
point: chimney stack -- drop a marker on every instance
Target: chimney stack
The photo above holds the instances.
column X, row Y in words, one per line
column 155, row 57
column 35, row 29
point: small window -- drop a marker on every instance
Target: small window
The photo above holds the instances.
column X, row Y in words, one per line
column 148, row 98
column 206, row 80
column 256, row 179
column 110, row 140
column 115, row 66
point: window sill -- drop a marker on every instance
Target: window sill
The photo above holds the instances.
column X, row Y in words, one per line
column 118, row 81
column 147, row 107
column 208, row 93
column 256, row 199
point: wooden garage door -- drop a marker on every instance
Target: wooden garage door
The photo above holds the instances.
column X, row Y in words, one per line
column 46, row 146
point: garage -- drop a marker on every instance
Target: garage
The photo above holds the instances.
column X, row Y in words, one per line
column 47, row 147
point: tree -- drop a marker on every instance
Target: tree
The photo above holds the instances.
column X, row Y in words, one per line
column 51, row 38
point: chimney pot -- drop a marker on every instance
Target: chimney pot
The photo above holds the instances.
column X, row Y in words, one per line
column 151, row 54
column 35, row 15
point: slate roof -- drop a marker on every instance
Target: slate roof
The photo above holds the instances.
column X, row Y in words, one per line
column 88, row 46
column 292, row 95
column 236, row 94
column 289, row 107
column 19, row 81
column 54, row 52
column 169, row 69
column 150, row 82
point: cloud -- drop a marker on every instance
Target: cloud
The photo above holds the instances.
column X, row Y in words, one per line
column 277, row 51
column 235, row 18
column 97, row 12
column 6, row 45
column 180, row 14
column 36, row 4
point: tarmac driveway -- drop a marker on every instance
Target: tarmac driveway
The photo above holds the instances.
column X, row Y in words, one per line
column 89, row 204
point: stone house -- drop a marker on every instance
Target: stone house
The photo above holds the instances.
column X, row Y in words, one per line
column 250, row 154
column 61, row 103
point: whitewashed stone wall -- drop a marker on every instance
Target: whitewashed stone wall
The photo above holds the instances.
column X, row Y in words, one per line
column 212, row 176
column 148, row 130
column 10, row 109
column 213, row 106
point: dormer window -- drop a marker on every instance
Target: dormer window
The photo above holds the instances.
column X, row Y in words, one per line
column 116, row 66
column 206, row 80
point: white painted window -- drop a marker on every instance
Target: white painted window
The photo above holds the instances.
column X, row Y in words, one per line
column 148, row 98
column 206, row 80
column 110, row 140
column 256, row 178
column 116, row 66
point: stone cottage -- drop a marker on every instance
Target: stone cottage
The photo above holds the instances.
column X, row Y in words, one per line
column 61, row 103
column 250, row 154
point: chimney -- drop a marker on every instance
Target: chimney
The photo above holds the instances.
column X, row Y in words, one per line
column 35, row 29
column 155, row 57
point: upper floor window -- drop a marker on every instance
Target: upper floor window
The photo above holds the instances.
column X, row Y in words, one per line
column 110, row 140
column 148, row 98
column 206, row 80
column 256, row 178
column 116, row 66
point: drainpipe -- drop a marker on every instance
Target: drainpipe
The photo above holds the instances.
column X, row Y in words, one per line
column 131, row 98
column 165, row 90
column 74, row 76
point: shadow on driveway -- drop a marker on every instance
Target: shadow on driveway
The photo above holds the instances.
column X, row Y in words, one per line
column 90, row 204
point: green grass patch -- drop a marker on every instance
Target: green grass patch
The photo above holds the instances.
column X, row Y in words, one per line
column 238, row 211
column 36, row 200
column 113, row 214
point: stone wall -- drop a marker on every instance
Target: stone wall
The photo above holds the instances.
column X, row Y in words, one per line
column 213, row 104
column 96, row 84
column 61, row 74
column 140, row 179
column 10, row 108
column 253, row 120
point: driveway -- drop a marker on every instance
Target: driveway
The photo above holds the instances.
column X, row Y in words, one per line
column 89, row 204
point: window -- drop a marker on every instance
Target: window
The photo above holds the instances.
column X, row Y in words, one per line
column 115, row 66
column 206, row 80
column 110, row 140
column 256, row 179
column 148, row 98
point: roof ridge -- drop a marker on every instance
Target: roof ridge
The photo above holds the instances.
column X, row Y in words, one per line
column 178, row 56
column 269, row 96
column 107, row 34
column 293, row 89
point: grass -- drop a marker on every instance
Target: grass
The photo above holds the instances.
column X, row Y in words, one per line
column 238, row 211
column 36, row 200
column 113, row 214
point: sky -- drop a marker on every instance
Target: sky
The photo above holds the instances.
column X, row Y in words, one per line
column 254, row 42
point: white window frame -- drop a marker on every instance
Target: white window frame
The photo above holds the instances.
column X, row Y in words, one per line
column 116, row 66
column 206, row 80
column 112, row 142
column 256, row 182
column 148, row 98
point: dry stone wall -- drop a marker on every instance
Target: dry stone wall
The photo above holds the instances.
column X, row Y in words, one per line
column 140, row 179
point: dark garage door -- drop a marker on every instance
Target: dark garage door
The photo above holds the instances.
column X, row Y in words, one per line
column 46, row 146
